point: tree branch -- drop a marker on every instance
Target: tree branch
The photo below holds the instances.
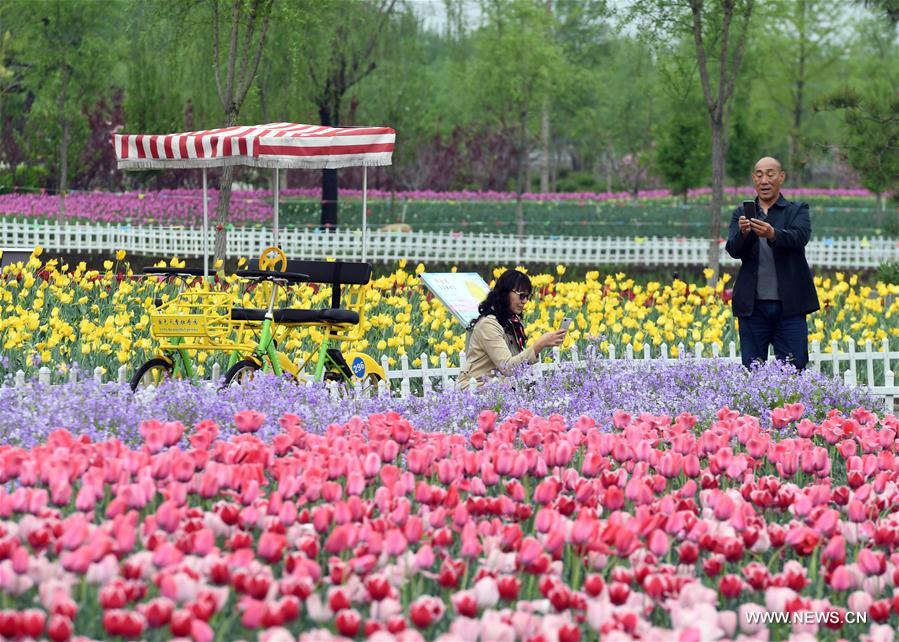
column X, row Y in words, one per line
column 696, row 10
column 738, row 54
column 215, row 50
column 247, row 81
column 726, row 18
column 247, row 44
column 232, row 54
column 384, row 11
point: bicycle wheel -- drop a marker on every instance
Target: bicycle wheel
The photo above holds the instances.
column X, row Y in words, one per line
column 151, row 373
column 242, row 371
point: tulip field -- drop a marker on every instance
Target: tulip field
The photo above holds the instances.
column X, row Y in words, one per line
column 557, row 526
column 63, row 315
column 688, row 501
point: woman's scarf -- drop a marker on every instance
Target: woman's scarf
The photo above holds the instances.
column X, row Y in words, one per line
column 517, row 332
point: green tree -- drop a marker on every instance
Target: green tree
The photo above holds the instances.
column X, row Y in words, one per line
column 744, row 145
column 234, row 65
column 718, row 29
column 871, row 143
column 340, row 44
column 806, row 46
column 66, row 50
column 516, row 68
column 681, row 155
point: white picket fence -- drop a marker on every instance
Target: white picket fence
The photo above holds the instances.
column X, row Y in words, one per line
column 445, row 247
column 848, row 363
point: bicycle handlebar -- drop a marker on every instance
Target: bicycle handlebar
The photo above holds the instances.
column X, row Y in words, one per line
column 290, row 277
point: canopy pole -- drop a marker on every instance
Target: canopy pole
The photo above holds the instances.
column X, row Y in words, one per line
column 205, row 228
column 277, row 177
column 364, row 208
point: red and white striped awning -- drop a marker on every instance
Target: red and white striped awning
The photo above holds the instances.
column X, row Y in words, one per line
column 281, row 145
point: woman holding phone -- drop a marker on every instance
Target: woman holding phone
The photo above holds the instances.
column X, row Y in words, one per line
column 496, row 342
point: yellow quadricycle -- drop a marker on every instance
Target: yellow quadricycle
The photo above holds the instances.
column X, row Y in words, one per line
column 201, row 318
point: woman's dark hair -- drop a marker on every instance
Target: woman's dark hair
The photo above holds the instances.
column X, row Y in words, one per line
column 497, row 301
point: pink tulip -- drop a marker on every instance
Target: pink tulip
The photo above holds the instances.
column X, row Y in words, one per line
column 248, row 421
column 487, row 421
column 658, row 543
column 841, row 579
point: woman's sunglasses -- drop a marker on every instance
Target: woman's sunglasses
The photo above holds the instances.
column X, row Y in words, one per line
column 524, row 296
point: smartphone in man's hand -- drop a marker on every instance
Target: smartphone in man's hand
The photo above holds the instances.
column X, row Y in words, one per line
column 566, row 323
column 749, row 209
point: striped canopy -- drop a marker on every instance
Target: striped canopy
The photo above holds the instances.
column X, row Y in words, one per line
column 276, row 145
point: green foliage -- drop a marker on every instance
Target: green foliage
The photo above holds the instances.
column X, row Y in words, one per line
column 23, row 176
column 467, row 98
column 888, row 272
column 871, row 144
column 682, row 154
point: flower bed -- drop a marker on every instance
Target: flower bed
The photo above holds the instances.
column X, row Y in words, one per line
column 519, row 524
column 650, row 213
column 110, row 411
column 59, row 315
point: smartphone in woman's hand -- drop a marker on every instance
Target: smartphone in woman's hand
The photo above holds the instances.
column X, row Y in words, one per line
column 566, row 323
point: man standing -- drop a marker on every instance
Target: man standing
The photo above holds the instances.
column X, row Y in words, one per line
column 774, row 290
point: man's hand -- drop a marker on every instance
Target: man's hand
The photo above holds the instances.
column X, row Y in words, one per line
column 743, row 222
column 761, row 228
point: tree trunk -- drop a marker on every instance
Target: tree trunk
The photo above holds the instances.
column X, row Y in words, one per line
column 544, row 144
column 221, row 231
column 522, row 176
column 329, row 116
column 719, row 152
column 63, row 184
column 795, row 167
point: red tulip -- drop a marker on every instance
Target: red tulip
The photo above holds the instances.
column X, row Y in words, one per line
column 465, row 603
column 508, row 587
column 421, row 612
column 569, row 633
column 730, row 586
column 688, row 553
column 180, row 622
column 32, row 622
column 378, row 587
column 158, row 611
column 59, row 628
column 618, row 593
column 338, row 599
column 594, row 584
column 348, row 622
column 712, row 565
column 10, row 624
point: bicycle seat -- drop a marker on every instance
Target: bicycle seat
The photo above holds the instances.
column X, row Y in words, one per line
column 296, row 315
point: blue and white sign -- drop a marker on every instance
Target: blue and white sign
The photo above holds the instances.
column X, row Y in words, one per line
column 358, row 367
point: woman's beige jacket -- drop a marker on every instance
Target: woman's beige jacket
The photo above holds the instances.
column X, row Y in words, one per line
column 490, row 351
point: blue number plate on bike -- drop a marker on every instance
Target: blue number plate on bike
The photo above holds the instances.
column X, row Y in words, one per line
column 358, row 367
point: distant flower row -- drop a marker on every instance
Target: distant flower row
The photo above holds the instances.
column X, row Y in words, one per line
column 181, row 206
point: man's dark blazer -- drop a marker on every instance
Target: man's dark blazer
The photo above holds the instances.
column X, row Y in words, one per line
column 792, row 229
